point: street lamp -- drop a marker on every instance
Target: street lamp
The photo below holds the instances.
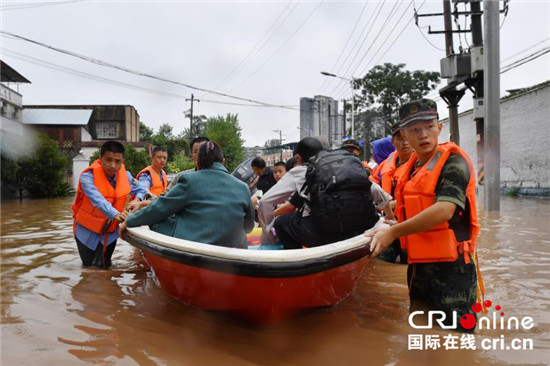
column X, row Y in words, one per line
column 352, row 99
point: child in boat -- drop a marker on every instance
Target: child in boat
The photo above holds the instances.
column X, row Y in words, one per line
column 207, row 206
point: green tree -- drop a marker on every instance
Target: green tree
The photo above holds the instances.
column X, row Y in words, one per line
column 134, row 160
column 227, row 132
column 41, row 174
column 174, row 145
column 145, row 133
column 385, row 87
column 199, row 127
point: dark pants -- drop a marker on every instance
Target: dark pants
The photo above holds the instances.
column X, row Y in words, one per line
column 95, row 258
column 295, row 231
column 445, row 286
column 394, row 253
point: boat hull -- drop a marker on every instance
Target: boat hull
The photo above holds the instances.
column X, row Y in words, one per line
column 263, row 300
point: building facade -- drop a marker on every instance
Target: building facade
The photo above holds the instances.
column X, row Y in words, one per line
column 524, row 139
column 319, row 116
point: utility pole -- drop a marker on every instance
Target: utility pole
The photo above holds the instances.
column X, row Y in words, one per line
column 452, row 96
column 280, row 142
column 477, row 82
column 191, row 116
column 492, row 105
column 344, row 120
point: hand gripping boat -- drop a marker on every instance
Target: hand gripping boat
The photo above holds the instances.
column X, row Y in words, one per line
column 261, row 286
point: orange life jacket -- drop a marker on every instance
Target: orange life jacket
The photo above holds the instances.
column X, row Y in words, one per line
column 367, row 166
column 376, row 173
column 84, row 212
column 413, row 195
column 159, row 185
column 390, row 173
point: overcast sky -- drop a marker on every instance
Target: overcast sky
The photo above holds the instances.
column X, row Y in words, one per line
column 270, row 52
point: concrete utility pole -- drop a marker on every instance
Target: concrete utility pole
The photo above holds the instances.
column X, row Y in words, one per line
column 477, row 82
column 452, row 96
column 492, row 105
column 280, row 142
column 344, row 120
column 191, row 117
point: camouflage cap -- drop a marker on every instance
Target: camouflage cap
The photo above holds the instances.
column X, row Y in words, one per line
column 350, row 143
column 395, row 129
column 417, row 110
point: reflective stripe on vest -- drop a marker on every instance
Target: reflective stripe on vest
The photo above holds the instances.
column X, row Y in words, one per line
column 158, row 186
column 84, row 212
column 414, row 195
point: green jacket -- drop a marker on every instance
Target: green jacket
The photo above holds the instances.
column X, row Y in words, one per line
column 208, row 206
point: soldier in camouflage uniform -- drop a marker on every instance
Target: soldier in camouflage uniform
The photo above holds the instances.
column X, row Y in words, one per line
column 448, row 284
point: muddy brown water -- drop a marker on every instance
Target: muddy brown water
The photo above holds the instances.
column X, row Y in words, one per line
column 55, row 312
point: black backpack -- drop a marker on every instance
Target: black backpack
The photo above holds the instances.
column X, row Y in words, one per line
column 340, row 196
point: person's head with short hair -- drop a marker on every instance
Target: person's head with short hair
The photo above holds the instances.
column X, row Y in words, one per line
column 306, row 148
column 159, row 157
column 111, row 156
column 279, row 169
column 194, row 147
column 352, row 146
column 421, row 128
column 400, row 143
column 258, row 165
column 291, row 163
column 208, row 154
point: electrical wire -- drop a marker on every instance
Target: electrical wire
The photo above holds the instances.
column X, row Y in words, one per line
column 139, row 73
column 35, row 5
column 331, row 70
column 67, row 70
column 262, row 42
column 372, row 21
column 524, row 60
column 278, row 49
column 393, row 12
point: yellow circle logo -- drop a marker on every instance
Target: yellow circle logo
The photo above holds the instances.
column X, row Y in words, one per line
column 414, row 109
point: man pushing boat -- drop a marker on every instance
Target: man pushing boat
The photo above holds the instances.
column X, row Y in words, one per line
column 436, row 211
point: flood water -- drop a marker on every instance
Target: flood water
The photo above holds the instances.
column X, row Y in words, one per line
column 55, row 312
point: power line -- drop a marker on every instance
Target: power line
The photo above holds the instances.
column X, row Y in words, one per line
column 326, row 80
column 366, row 34
column 524, row 60
column 526, row 49
column 139, row 73
column 49, row 65
column 258, row 46
column 364, row 56
column 36, row 5
column 280, row 47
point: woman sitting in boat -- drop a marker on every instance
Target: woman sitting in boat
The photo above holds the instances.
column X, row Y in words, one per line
column 207, row 206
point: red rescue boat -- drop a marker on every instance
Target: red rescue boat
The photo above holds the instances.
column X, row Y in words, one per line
column 261, row 286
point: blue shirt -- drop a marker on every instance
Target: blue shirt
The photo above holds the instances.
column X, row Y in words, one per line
column 88, row 237
column 146, row 181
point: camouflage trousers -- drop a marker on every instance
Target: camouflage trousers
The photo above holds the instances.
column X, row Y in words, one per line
column 445, row 286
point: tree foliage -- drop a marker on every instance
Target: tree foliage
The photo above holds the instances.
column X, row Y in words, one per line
column 134, row 160
column 385, row 87
column 41, row 174
column 227, row 132
column 199, row 126
column 145, row 132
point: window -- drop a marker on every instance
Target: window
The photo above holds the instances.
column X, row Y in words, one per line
column 106, row 130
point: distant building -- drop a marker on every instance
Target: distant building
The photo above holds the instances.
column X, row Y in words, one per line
column 252, row 152
column 319, row 117
column 80, row 129
column 524, row 139
column 12, row 129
